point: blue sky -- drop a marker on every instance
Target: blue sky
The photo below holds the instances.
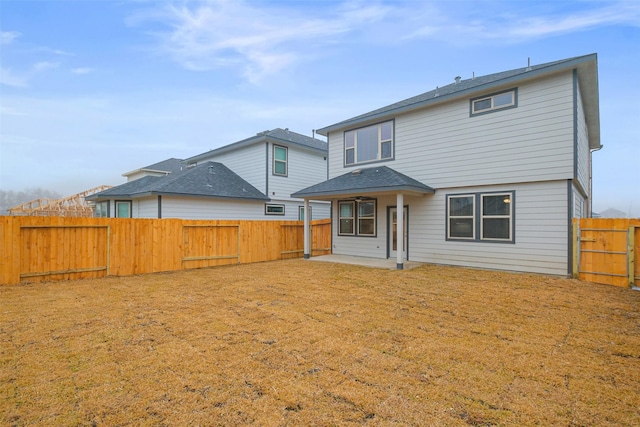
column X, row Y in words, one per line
column 92, row 89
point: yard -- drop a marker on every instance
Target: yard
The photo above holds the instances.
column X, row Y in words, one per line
column 303, row 343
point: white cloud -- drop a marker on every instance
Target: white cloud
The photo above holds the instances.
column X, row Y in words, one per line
column 7, row 37
column 261, row 40
column 44, row 65
column 82, row 70
column 8, row 78
column 514, row 24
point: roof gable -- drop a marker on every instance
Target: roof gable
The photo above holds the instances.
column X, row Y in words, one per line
column 362, row 181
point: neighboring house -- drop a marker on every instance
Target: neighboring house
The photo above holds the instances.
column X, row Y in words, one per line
column 277, row 162
column 212, row 188
column 488, row 171
column 162, row 168
column 249, row 179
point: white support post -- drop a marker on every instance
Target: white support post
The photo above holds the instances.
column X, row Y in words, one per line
column 400, row 231
column 307, row 231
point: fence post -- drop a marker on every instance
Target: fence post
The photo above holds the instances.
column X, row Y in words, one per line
column 631, row 255
column 575, row 266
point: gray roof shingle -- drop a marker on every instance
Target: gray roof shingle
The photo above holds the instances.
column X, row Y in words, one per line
column 361, row 181
column 210, row 179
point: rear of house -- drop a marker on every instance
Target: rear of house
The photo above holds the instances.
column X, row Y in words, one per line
column 488, row 171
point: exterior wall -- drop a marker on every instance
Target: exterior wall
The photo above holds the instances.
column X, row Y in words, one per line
column 194, row 208
column 582, row 140
column 319, row 210
column 248, row 162
column 541, row 231
column 445, row 147
column 146, row 208
column 580, row 209
column 305, row 168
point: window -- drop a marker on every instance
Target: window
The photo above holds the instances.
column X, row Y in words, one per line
column 481, row 217
column 123, row 209
column 357, row 218
column 101, row 210
column 280, row 160
column 273, row 209
column 368, row 144
column 301, row 213
column 496, row 101
column 461, row 222
column 496, row 217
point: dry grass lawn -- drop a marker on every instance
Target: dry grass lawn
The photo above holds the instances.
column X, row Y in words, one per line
column 306, row 343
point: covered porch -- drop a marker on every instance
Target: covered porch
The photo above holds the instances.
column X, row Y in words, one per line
column 353, row 191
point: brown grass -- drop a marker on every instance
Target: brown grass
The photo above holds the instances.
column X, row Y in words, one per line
column 305, row 343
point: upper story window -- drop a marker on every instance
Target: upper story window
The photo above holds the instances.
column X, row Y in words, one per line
column 368, row 144
column 280, row 160
column 496, row 101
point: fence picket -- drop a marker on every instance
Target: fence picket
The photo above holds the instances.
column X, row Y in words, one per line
column 58, row 248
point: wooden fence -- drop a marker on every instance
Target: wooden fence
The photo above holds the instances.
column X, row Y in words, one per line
column 59, row 248
column 607, row 250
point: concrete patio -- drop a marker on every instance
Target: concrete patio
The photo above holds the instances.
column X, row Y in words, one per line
column 387, row 264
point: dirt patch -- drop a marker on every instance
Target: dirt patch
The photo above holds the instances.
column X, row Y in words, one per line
column 301, row 343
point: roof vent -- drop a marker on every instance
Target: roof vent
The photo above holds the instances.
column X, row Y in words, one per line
column 457, row 79
column 436, row 94
column 356, row 172
column 528, row 64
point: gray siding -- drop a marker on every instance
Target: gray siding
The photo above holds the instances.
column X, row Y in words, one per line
column 248, row 162
column 445, row 147
column 192, row 208
column 582, row 144
column 541, row 231
column 305, row 168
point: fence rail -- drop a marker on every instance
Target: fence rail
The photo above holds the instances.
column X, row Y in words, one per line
column 59, row 248
column 607, row 250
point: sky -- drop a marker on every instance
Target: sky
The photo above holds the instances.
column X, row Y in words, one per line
column 91, row 89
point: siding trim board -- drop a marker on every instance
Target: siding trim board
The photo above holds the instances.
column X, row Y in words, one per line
column 575, row 124
column 569, row 227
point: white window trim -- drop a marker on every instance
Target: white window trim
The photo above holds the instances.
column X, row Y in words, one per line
column 513, row 104
column 272, row 205
column 352, row 217
column 286, row 161
column 509, row 217
column 380, row 143
column 478, row 216
column 472, row 216
column 301, row 213
column 128, row 203
column 356, row 217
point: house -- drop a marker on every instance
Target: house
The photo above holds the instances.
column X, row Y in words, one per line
column 277, row 162
column 484, row 172
column 249, row 179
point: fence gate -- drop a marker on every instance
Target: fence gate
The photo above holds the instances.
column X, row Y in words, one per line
column 605, row 251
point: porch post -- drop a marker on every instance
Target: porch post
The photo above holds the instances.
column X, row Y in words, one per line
column 399, row 230
column 307, row 231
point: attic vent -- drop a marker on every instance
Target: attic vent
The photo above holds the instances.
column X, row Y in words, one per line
column 457, row 79
column 356, row 172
